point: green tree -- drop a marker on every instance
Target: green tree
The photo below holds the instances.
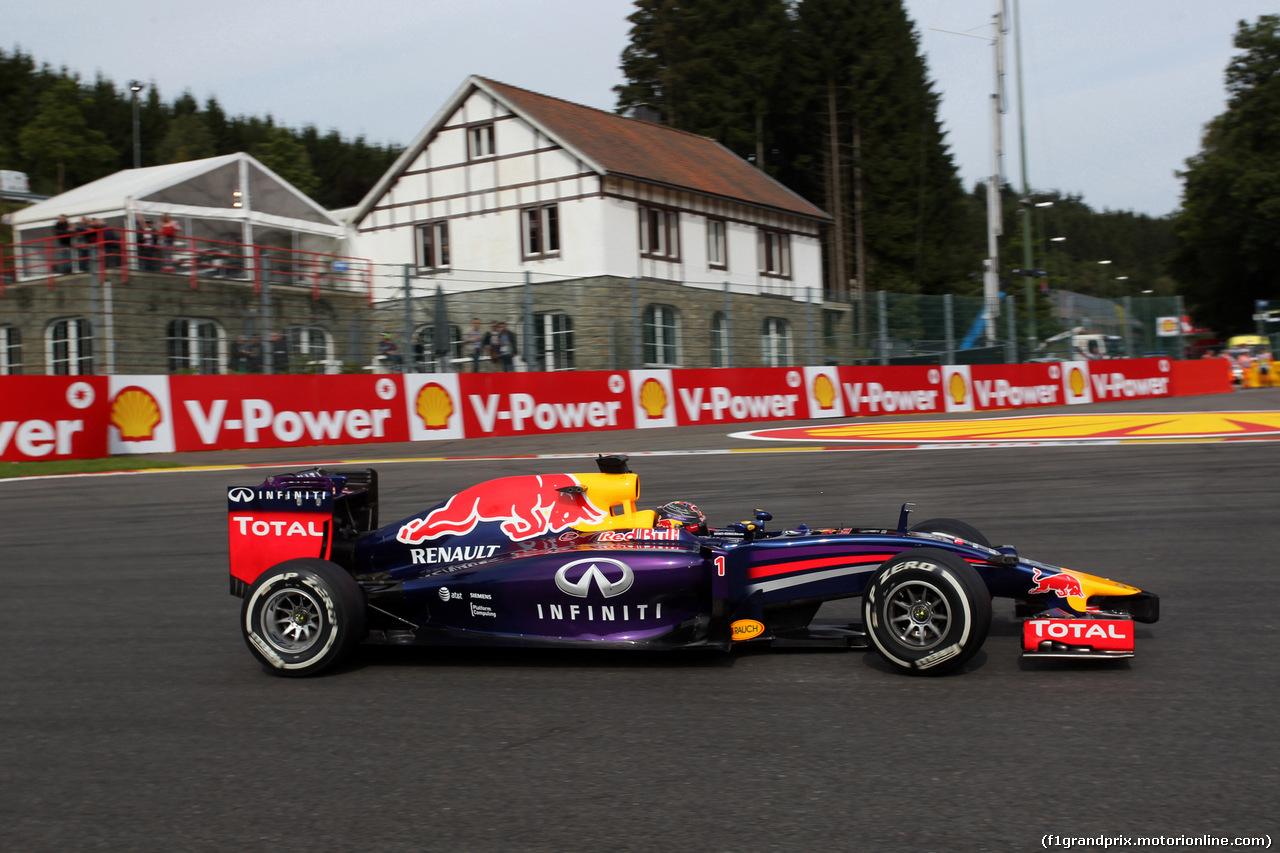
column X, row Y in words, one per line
column 59, row 140
column 832, row 98
column 881, row 164
column 1227, row 234
column 188, row 138
column 287, row 157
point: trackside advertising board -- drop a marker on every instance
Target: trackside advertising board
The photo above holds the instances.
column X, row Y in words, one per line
column 731, row 395
column 49, row 417
column 212, row 412
column 530, row 403
column 52, row 417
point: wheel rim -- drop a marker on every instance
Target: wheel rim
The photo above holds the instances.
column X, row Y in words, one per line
column 918, row 615
column 291, row 620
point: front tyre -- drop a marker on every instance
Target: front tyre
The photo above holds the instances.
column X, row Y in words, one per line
column 301, row 615
column 952, row 527
column 927, row 611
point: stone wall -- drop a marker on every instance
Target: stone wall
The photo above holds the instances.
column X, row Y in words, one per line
column 139, row 312
column 606, row 314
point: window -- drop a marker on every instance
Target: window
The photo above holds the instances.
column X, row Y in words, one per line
column 553, row 340
column 433, row 245
column 775, row 253
column 10, row 351
column 661, row 336
column 540, row 232
column 69, row 347
column 775, row 343
column 480, row 141
column 719, row 340
column 194, row 346
column 717, row 252
column 310, row 347
column 424, row 345
column 659, row 233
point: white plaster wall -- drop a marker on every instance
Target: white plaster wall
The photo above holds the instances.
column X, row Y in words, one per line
column 598, row 236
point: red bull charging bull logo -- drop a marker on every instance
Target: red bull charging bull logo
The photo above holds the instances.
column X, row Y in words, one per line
column 527, row 507
column 1064, row 584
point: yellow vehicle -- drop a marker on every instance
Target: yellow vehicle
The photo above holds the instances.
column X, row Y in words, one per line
column 1251, row 361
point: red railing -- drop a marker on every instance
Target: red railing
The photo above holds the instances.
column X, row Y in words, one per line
column 117, row 250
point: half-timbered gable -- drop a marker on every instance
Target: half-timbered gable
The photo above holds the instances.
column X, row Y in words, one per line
column 504, row 180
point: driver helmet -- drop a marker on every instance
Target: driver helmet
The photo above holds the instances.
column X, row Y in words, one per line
column 682, row 514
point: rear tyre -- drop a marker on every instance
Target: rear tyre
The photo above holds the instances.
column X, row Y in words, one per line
column 926, row 611
column 951, row 527
column 302, row 615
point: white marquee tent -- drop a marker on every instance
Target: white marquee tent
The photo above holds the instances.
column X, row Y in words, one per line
column 232, row 198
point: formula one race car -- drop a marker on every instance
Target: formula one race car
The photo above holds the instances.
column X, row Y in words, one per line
column 568, row 560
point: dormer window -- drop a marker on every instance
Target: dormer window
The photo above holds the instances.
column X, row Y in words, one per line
column 480, row 141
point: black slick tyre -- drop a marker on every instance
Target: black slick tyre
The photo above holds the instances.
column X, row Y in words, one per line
column 926, row 611
column 301, row 615
column 951, row 527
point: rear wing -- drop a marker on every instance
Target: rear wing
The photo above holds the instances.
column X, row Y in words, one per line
column 314, row 513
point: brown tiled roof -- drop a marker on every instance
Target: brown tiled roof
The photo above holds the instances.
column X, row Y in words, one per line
column 651, row 152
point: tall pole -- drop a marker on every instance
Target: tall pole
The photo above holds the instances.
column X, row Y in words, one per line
column 135, row 87
column 1027, row 263
column 991, row 274
column 991, row 266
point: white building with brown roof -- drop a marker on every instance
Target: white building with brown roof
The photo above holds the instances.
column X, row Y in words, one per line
column 504, row 181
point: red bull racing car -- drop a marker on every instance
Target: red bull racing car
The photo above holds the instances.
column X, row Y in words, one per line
column 568, row 560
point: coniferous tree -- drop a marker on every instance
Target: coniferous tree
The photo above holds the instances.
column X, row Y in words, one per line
column 100, row 141
column 1228, row 231
column 59, row 140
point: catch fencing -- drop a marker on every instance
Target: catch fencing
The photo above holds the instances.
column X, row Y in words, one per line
column 114, row 302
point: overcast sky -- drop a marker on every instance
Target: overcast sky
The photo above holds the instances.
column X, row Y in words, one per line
column 1116, row 91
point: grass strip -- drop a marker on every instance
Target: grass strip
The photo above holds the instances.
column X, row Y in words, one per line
column 9, row 470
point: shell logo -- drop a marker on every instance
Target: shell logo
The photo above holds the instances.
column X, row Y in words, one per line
column 653, row 397
column 1167, row 326
column 959, row 390
column 135, row 413
column 746, row 629
column 434, row 406
column 1076, row 381
column 823, row 391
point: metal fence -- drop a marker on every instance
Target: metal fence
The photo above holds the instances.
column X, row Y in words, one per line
column 124, row 314
column 896, row 328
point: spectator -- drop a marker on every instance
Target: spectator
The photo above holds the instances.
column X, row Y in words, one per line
column 390, row 353
column 64, row 231
column 473, row 344
column 169, row 229
column 279, row 354
column 237, row 362
column 506, row 341
column 110, row 244
column 86, row 237
column 253, row 355
column 147, row 251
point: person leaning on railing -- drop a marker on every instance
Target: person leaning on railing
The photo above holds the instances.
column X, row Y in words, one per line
column 147, row 252
column 62, row 228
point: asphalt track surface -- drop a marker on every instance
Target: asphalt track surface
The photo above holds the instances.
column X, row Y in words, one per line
column 132, row 716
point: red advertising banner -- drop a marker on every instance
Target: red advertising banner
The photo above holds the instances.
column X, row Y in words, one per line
column 727, row 395
column 53, row 417
column 226, row 412
column 1127, row 379
column 1015, row 386
column 48, row 417
column 891, row 390
column 1205, row 376
column 533, row 403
